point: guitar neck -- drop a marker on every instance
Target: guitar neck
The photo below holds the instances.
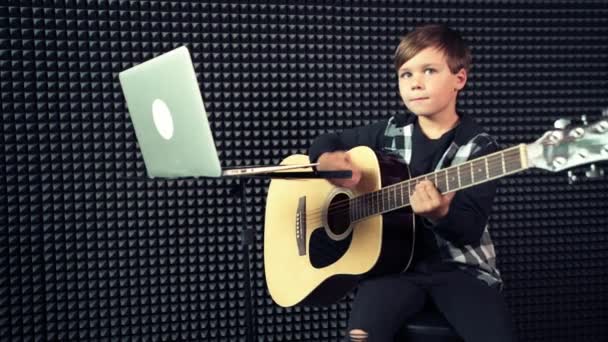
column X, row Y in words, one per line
column 454, row 178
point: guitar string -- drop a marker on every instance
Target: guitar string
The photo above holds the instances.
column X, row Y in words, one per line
column 343, row 206
column 346, row 209
column 491, row 169
column 384, row 194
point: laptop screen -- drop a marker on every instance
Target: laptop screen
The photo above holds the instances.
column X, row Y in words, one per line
column 169, row 117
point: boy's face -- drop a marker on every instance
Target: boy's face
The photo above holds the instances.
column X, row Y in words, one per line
column 427, row 85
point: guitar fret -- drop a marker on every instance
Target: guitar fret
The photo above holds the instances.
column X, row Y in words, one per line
column 465, row 175
column 497, row 166
column 386, row 200
column 441, row 185
column 478, row 170
column 395, row 188
column 396, row 194
column 452, row 174
column 436, row 182
column 375, row 205
column 364, row 206
column 487, row 168
column 472, row 173
column 361, row 206
column 512, row 160
column 363, row 211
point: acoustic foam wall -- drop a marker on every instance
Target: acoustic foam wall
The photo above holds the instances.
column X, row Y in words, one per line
column 91, row 250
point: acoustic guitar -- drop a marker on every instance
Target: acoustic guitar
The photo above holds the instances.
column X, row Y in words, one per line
column 320, row 240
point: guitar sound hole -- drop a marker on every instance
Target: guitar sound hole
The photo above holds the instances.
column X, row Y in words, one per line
column 324, row 249
column 338, row 219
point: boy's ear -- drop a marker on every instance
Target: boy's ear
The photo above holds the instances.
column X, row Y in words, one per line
column 461, row 79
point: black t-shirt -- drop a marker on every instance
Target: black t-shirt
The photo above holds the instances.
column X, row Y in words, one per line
column 426, row 154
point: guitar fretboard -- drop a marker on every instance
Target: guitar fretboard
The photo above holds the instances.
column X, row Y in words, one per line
column 453, row 178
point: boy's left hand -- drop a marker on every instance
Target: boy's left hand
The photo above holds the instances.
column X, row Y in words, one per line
column 428, row 202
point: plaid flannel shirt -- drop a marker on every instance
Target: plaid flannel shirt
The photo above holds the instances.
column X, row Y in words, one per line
column 478, row 259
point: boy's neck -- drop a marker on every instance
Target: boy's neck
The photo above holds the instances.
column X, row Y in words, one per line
column 435, row 126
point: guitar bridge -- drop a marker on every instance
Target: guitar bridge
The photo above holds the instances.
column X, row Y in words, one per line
column 301, row 226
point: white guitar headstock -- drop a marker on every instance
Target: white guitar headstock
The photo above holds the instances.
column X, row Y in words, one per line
column 568, row 145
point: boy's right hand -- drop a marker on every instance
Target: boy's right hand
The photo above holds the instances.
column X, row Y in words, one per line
column 339, row 160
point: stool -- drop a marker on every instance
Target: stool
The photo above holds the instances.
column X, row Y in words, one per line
column 428, row 325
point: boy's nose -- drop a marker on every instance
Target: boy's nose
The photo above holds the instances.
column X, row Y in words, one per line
column 416, row 85
column 415, row 82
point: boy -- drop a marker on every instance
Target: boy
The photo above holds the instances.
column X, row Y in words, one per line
column 454, row 259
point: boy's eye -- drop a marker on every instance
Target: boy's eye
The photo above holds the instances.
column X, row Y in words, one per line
column 427, row 71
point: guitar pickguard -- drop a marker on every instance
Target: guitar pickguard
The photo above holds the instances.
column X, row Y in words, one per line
column 324, row 251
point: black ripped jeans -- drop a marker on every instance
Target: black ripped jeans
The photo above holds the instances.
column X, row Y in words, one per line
column 476, row 310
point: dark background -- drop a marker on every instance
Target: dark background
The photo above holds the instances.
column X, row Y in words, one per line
column 92, row 250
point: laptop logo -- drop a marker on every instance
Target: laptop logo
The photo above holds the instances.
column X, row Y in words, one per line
column 162, row 119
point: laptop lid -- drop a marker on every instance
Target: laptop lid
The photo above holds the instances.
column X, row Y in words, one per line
column 169, row 117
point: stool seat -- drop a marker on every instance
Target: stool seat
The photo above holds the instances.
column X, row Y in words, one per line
column 428, row 325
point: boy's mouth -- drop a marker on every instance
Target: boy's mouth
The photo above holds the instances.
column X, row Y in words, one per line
column 419, row 99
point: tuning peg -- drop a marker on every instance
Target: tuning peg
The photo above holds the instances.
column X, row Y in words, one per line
column 605, row 112
column 584, row 119
column 594, row 172
column 572, row 178
column 562, row 123
column 601, row 126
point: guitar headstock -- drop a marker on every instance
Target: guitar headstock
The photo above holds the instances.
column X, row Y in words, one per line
column 568, row 146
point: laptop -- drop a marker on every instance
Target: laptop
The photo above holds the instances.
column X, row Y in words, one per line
column 171, row 125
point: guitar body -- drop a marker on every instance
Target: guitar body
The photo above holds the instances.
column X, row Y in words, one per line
column 313, row 255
